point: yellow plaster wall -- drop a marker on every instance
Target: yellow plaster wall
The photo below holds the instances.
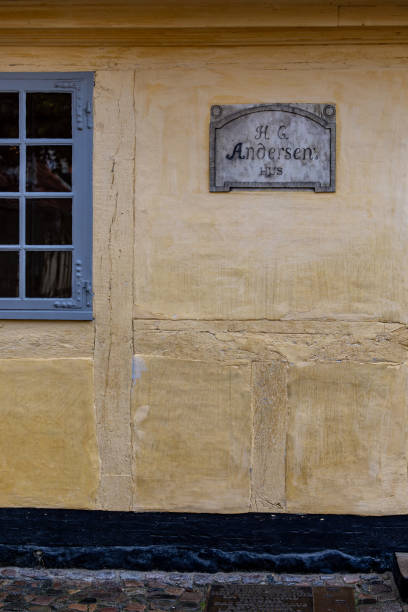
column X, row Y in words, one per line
column 48, row 450
column 248, row 349
column 191, row 428
column 258, row 255
column 347, row 438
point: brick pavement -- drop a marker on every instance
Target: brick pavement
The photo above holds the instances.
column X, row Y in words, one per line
column 46, row 590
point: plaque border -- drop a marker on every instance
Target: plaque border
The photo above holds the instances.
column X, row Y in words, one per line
column 327, row 119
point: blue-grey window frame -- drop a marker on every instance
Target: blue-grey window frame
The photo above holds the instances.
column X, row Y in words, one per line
column 80, row 85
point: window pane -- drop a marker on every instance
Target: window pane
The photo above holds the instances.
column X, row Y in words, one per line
column 49, row 115
column 49, row 221
column 9, row 168
column 49, row 168
column 48, row 274
column 8, row 274
column 8, row 115
column 9, row 226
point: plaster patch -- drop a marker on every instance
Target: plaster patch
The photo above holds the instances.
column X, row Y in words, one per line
column 138, row 367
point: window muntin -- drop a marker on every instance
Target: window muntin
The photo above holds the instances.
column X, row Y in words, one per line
column 45, row 195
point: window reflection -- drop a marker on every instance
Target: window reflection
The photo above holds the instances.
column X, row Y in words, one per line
column 49, row 115
column 9, row 274
column 9, row 168
column 49, row 168
column 48, row 274
column 9, row 114
column 49, row 221
column 9, row 225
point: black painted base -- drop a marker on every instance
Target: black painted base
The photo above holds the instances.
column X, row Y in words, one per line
column 199, row 542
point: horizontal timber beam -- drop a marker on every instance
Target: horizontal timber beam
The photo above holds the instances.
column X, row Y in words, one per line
column 201, row 37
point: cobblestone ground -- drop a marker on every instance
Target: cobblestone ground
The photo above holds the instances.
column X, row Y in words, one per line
column 111, row 591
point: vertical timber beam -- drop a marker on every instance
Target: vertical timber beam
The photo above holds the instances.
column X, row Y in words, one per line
column 269, row 405
column 113, row 269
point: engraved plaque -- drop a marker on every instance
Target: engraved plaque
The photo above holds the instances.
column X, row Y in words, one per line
column 273, row 598
column 259, row 598
column 273, row 146
column 333, row 599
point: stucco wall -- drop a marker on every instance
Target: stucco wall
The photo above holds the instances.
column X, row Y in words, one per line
column 248, row 349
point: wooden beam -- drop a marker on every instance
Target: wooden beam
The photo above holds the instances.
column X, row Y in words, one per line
column 201, row 37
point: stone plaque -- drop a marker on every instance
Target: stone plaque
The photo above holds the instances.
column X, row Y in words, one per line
column 271, row 598
column 273, row 146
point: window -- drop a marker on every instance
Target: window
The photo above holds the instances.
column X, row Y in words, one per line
column 45, row 195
